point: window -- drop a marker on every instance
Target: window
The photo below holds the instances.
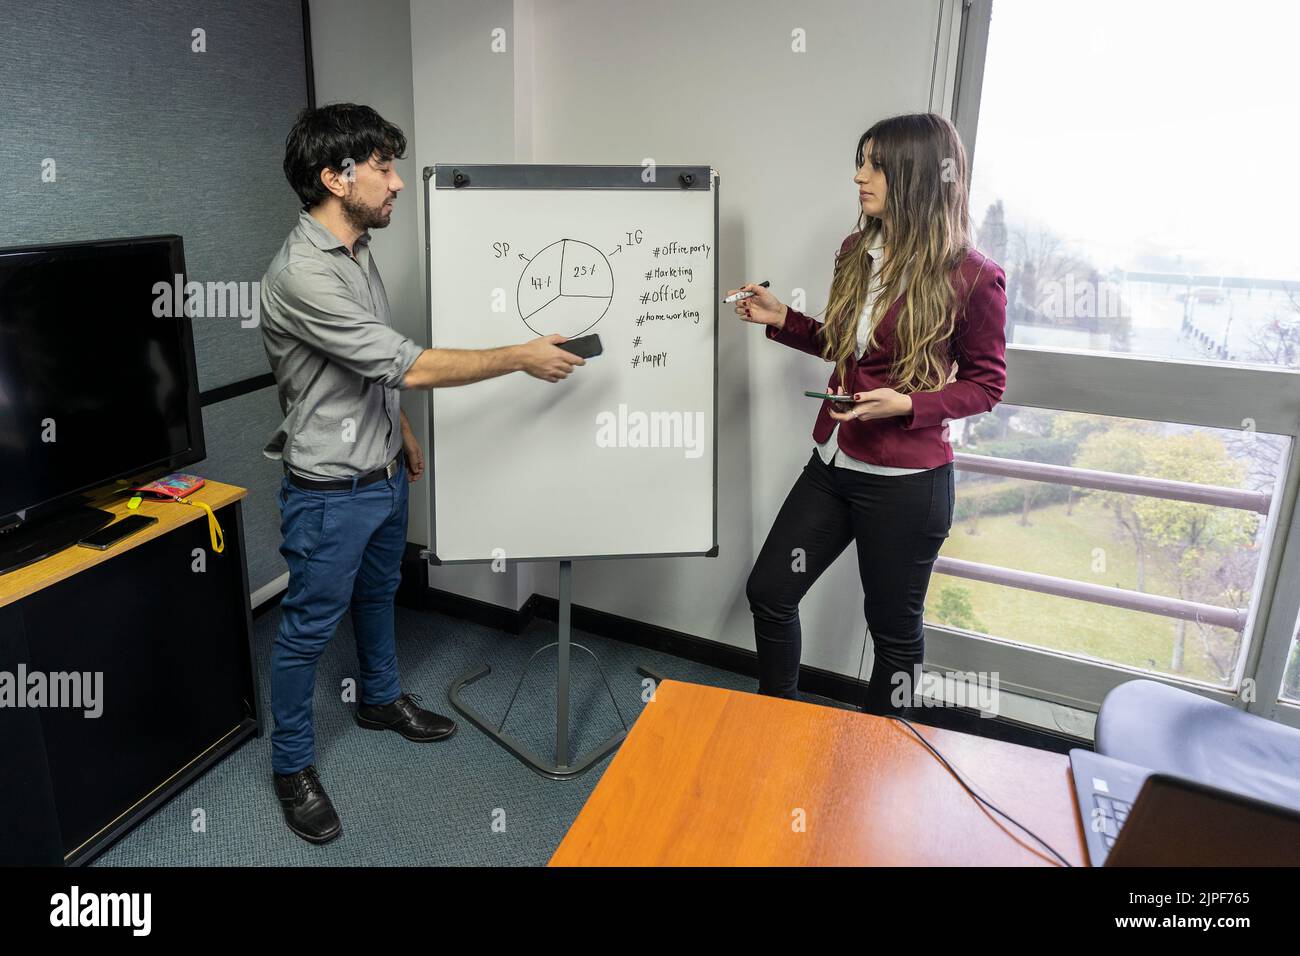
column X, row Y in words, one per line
column 1291, row 672
column 1134, row 176
column 1129, row 508
column 1131, row 542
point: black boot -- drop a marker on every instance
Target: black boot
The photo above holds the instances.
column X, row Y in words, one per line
column 403, row 716
column 307, row 807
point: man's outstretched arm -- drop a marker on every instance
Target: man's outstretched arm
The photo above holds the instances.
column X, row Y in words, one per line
column 541, row 358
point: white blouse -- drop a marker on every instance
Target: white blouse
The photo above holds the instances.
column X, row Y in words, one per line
column 830, row 449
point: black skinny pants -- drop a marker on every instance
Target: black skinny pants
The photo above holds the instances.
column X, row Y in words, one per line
column 899, row 523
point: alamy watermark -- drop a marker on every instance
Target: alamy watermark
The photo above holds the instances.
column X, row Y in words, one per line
column 73, row 690
column 1082, row 299
column 209, row 300
column 133, row 911
column 973, row 689
column 637, row 429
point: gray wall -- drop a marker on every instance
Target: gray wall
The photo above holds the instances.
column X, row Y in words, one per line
column 587, row 81
column 717, row 83
column 150, row 137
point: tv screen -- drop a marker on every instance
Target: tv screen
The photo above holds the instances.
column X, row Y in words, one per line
column 95, row 384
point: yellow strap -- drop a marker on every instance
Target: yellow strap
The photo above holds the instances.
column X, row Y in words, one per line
column 214, row 529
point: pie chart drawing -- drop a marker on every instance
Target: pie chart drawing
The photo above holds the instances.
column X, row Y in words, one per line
column 565, row 288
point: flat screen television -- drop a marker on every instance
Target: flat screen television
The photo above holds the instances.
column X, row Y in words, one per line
column 97, row 383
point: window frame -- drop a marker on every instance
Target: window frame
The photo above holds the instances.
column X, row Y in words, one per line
column 1136, row 387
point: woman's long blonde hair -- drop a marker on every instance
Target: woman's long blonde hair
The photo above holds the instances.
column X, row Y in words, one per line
column 926, row 204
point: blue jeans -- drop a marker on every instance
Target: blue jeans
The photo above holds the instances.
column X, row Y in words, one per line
column 344, row 550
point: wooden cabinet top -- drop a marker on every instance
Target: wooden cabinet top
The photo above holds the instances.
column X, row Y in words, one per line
column 57, row 567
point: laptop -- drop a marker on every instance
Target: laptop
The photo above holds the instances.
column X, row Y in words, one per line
column 1134, row 817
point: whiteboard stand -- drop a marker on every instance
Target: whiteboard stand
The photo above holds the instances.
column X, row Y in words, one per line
column 563, row 766
column 571, row 249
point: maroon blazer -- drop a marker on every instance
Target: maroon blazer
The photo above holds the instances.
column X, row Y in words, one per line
column 919, row 440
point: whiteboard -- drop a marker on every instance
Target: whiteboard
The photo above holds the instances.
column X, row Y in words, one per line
column 620, row 458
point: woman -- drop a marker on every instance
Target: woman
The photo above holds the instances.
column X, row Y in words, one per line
column 915, row 329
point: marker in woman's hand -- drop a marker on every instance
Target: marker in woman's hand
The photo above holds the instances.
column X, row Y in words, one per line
column 743, row 295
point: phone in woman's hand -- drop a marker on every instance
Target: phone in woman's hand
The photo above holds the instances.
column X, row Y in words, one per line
column 840, row 399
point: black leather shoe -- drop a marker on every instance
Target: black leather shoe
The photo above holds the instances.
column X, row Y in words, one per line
column 403, row 716
column 307, row 807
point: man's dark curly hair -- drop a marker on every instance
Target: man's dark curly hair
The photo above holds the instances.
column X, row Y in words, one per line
column 323, row 138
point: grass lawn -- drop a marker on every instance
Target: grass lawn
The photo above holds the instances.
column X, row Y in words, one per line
column 1062, row 545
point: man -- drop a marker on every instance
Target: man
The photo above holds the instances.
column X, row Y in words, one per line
column 339, row 364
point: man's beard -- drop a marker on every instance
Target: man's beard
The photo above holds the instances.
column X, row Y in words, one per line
column 365, row 217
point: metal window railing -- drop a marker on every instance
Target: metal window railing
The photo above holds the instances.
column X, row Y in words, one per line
column 1233, row 618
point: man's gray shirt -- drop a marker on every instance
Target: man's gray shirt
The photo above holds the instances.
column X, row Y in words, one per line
column 337, row 359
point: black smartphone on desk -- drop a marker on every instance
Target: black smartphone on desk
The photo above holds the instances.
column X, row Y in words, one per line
column 109, row 535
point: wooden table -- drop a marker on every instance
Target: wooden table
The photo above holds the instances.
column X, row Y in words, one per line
column 713, row 777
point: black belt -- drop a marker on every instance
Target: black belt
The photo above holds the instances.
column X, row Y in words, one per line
column 345, row 484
